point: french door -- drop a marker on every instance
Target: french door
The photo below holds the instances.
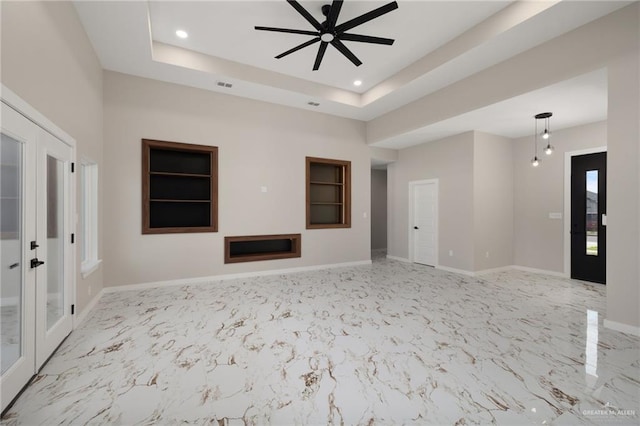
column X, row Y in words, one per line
column 36, row 256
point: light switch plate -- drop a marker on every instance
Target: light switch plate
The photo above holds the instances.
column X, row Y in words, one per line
column 555, row 215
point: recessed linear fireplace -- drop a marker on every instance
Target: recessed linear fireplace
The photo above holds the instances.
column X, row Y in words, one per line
column 261, row 247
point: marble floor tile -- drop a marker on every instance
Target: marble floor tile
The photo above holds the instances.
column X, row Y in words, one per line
column 390, row 343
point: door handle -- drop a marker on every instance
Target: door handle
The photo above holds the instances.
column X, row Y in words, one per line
column 35, row 263
column 34, row 245
column 415, row 227
column 15, row 265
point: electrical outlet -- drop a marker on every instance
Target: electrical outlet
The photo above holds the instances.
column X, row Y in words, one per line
column 450, row 252
column 486, row 255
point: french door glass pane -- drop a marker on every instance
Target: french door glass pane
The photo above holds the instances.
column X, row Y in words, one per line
column 11, row 197
column 55, row 240
column 592, row 213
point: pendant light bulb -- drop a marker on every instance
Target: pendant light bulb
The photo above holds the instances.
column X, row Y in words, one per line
column 535, row 162
column 548, row 150
column 545, row 134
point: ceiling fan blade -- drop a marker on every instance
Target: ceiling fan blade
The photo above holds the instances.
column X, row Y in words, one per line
column 346, row 52
column 298, row 47
column 345, row 26
column 302, row 11
column 287, row 30
column 321, row 50
column 336, row 5
column 366, row 39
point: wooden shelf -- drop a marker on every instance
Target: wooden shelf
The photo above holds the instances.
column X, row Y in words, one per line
column 327, row 183
column 161, row 200
column 179, row 174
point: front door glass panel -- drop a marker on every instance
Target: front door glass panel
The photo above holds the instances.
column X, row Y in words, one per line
column 592, row 213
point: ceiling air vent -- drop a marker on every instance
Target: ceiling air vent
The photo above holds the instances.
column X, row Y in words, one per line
column 223, row 84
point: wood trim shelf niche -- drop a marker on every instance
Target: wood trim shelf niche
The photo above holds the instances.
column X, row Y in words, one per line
column 179, row 187
column 261, row 247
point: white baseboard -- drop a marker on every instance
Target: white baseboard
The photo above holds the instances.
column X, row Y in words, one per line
column 213, row 278
column 82, row 316
column 492, row 270
column 456, row 271
column 500, row 269
column 399, row 259
column 624, row 328
column 540, row 271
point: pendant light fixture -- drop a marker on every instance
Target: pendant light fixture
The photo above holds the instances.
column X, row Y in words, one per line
column 545, row 134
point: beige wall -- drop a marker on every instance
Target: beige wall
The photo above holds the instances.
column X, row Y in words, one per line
column 475, row 176
column 449, row 160
column 623, row 187
column 378, row 209
column 259, row 144
column 539, row 240
column 49, row 62
column 492, row 201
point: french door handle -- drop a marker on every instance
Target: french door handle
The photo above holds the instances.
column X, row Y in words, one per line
column 35, row 263
column 15, row 265
column 415, row 227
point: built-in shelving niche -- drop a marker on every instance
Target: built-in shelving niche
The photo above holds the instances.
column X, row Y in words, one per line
column 261, row 247
column 179, row 187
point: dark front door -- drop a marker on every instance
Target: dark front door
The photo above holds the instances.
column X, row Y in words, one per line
column 588, row 209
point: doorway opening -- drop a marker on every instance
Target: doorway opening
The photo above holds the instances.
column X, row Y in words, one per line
column 379, row 211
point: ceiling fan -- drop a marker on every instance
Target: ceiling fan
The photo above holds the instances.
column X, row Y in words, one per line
column 328, row 32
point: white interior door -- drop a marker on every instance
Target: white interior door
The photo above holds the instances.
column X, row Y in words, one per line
column 54, row 282
column 424, row 222
column 17, row 229
column 36, row 255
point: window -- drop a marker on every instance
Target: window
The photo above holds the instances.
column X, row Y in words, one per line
column 328, row 193
column 88, row 217
column 179, row 187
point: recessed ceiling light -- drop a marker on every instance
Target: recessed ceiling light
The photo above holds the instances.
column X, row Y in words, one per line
column 357, row 83
column 182, row 34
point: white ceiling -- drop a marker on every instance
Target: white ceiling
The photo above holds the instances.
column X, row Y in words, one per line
column 437, row 43
column 225, row 30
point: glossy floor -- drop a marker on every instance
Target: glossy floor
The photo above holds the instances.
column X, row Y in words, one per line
column 390, row 343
